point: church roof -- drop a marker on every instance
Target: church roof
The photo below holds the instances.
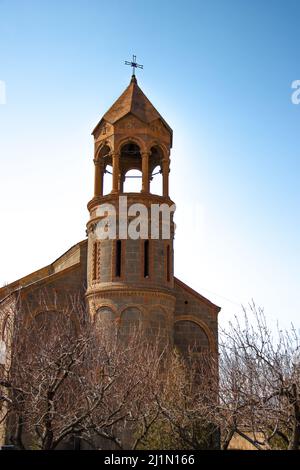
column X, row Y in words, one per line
column 134, row 101
column 71, row 258
column 196, row 294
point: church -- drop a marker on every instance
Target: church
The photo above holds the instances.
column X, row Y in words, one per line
column 123, row 280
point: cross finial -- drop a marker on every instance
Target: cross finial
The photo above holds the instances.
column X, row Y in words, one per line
column 134, row 65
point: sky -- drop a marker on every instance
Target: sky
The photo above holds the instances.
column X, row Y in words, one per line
column 220, row 73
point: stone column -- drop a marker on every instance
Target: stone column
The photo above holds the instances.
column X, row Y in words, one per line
column 98, row 186
column 145, row 172
column 116, row 171
column 166, row 169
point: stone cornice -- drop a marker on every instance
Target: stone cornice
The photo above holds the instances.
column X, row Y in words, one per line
column 129, row 291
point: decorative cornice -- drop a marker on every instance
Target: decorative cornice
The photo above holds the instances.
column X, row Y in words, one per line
column 128, row 291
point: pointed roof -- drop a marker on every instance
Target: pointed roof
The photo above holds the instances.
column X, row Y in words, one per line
column 134, row 101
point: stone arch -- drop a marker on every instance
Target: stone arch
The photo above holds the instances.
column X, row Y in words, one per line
column 139, row 307
column 104, row 316
column 104, row 161
column 155, row 143
column 49, row 311
column 108, row 305
column 103, row 169
column 103, row 150
column 156, row 158
column 130, row 321
column 194, row 334
column 52, row 309
column 131, row 139
column 130, row 164
column 99, row 302
column 132, row 181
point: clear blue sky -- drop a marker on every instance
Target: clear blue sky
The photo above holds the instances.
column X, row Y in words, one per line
column 220, row 73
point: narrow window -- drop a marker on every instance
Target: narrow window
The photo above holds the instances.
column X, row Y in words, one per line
column 168, row 263
column 95, row 261
column 118, row 257
column 146, row 258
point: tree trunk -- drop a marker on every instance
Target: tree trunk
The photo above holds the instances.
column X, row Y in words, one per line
column 295, row 439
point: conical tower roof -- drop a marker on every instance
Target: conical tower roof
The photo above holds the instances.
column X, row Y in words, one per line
column 133, row 101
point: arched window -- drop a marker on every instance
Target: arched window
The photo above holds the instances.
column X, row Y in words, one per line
column 103, row 169
column 104, row 317
column 156, row 180
column 107, row 184
column 190, row 337
column 131, row 168
column 132, row 181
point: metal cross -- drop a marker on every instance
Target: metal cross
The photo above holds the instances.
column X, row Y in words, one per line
column 134, row 64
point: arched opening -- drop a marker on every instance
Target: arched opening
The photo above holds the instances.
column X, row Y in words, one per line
column 130, row 168
column 156, row 181
column 155, row 170
column 132, row 181
column 103, row 178
column 104, row 317
column 104, row 153
column 190, row 338
column 107, row 184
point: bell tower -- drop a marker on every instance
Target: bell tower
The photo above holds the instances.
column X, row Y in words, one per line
column 130, row 280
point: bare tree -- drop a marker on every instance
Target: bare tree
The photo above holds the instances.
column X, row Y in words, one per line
column 260, row 382
column 185, row 397
column 68, row 378
column 251, row 390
